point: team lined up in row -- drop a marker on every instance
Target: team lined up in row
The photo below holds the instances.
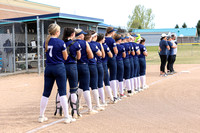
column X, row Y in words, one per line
column 84, row 59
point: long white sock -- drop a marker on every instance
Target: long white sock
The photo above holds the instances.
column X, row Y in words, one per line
column 58, row 102
column 102, row 94
column 132, row 84
column 124, row 84
column 142, row 81
column 117, row 85
column 64, row 104
column 80, row 92
column 113, row 87
column 96, row 97
column 87, row 97
column 135, row 83
column 138, row 82
column 121, row 87
column 43, row 105
column 109, row 92
column 74, row 100
column 128, row 84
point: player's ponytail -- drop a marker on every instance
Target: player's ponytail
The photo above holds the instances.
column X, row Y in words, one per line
column 52, row 29
column 68, row 31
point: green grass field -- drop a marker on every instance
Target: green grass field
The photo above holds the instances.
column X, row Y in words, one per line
column 189, row 54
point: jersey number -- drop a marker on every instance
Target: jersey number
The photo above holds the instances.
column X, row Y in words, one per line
column 51, row 49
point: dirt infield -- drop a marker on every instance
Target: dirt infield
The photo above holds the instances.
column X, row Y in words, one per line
column 171, row 104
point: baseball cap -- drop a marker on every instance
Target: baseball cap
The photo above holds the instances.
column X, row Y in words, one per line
column 134, row 35
column 79, row 32
column 164, row 35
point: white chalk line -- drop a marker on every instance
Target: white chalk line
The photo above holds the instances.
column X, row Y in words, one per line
column 83, row 111
column 44, row 126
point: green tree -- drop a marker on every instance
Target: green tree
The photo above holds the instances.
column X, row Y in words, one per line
column 184, row 25
column 141, row 18
column 198, row 28
column 177, row 26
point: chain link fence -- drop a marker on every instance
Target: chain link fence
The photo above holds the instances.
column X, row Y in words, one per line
column 21, row 44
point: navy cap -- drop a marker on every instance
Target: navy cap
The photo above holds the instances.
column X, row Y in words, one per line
column 134, row 35
column 126, row 37
column 112, row 30
column 82, row 32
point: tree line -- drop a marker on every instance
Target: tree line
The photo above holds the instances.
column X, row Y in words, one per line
column 142, row 18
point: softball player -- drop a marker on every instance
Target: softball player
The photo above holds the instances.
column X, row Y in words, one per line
column 55, row 70
column 83, row 69
column 136, row 63
column 100, row 41
column 74, row 51
column 142, row 62
column 164, row 47
column 93, row 68
column 131, row 63
column 120, row 65
column 108, row 54
column 126, row 62
column 112, row 64
column 174, row 51
column 171, row 56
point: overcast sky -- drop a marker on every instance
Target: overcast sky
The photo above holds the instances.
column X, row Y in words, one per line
column 167, row 13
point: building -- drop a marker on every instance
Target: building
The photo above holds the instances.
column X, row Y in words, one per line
column 184, row 35
column 24, row 29
column 23, row 8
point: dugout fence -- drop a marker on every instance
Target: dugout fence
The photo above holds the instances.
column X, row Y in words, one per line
column 21, row 43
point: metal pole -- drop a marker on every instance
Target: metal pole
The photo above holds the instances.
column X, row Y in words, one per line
column 97, row 29
column 26, row 45
column 42, row 46
column 38, row 44
column 13, row 43
column 78, row 26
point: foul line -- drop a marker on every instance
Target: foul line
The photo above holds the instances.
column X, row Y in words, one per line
column 153, row 83
column 44, row 126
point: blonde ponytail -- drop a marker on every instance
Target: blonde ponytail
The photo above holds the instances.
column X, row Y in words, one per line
column 46, row 42
column 52, row 29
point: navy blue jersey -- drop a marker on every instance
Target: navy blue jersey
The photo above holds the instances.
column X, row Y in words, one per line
column 106, row 49
column 136, row 48
column 94, row 48
column 171, row 51
column 84, row 58
column 111, row 44
column 142, row 49
column 121, row 49
column 54, row 54
column 163, row 45
column 72, row 49
column 98, row 57
column 127, row 49
column 131, row 49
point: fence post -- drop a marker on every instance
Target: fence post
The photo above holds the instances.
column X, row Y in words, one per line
column 26, row 45
column 38, row 44
column 13, row 43
column 97, row 29
column 42, row 46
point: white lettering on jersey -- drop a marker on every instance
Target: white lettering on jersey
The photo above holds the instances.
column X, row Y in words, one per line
column 51, row 49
